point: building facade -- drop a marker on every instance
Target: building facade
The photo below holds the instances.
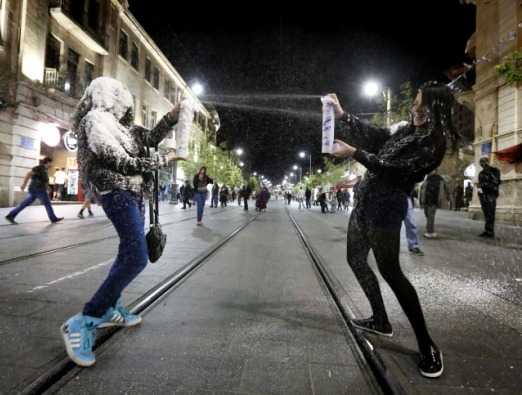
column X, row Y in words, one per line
column 498, row 104
column 50, row 51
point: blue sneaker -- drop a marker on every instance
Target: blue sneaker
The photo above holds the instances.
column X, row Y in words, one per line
column 119, row 316
column 79, row 335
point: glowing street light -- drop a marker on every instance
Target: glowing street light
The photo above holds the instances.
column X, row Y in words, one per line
column 254, row 174
column 197, row 88
column 239, row 151
column 295, row 167
column 319, row 171
column 372, row 89
column 241, row 164
column 302, row 154
column 292, row 174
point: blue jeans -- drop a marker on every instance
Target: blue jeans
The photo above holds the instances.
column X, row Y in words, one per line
column 411, row 228
column 200, row 198
column 126, row 212
column 41, row 195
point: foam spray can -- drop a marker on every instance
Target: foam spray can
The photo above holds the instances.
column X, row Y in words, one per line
column 328, row 125
column 184, row 127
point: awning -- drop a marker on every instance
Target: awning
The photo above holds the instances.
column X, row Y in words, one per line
column 511, row 154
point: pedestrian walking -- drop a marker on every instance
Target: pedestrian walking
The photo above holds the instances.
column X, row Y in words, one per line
column 488, row 191
column 187, row 194
column 60, row 178
column 468, row 195
column 38, row 179
column 394, row 162
column 322, row 201
column 88, row 200
column 112, row 155
column 300, row 198
column 289, row 197
column 223, row 196
column 411, row 227
column 214, row 199
column 340, row 199
column 246, row 192
column 200, row 182
column 433, row 192
column 262, row 199
column 308, row 197
column 346, row 200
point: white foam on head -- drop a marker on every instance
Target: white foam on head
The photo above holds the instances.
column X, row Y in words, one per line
column 109, row 95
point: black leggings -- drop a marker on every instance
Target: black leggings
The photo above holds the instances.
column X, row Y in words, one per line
column 385, row 244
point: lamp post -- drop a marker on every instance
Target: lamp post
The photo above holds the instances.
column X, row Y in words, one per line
column 296, row 167
column 302, row 155
column 372, row 89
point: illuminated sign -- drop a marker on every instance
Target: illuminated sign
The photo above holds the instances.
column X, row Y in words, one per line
column 70, row 141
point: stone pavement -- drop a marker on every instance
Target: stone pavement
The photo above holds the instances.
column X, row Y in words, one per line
column 254, row 319
column 471, row 292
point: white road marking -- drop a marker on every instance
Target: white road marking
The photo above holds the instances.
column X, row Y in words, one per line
column 70, row 276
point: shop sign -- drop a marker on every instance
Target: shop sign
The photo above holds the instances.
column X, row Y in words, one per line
column 70, row 141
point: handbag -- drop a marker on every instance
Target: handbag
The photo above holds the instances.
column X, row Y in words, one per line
column 156, row 239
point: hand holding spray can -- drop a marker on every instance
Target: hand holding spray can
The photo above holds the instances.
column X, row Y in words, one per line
column 328, row 125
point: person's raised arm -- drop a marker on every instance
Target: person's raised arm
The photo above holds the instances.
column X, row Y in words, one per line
column 355, row 132
column 159, row 132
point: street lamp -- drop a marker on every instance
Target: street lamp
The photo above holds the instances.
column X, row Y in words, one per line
column 197, row 88
column 239, row 151
column 302, row 155
column 241, row 164
column 300, row 172
column 319, row 171
column 254, row 174
column 372, row 89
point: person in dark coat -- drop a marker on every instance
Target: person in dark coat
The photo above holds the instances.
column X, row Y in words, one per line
column 489, row 183
column 322, row 201
column 433, row 191
column 223, row 196
column 246, row 192
column 395, row 162
column 468, row 194
column 308, row 197
column 215, row 196
column 187, row 193
column 262, row 199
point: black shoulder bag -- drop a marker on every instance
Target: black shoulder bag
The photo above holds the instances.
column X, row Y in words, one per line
column 156, row 239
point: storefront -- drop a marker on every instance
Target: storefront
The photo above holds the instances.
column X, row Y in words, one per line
column 61, row 145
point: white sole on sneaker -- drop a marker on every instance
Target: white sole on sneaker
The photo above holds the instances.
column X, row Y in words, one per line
column 363, row 328
column 122, row 325
column 436, row 374
column 70, row 352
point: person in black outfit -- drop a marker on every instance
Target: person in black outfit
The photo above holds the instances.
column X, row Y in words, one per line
column 394, row 163
column 468, row 195
column 246, row 192
column 187, row 194
column 489, row 182
column 39, row 178
column 322, row 201
column 308, row 197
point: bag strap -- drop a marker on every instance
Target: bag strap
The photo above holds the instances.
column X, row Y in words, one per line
column 152, row 216
column 156, row 192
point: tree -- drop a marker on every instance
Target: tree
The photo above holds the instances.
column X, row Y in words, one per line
column 401, row 106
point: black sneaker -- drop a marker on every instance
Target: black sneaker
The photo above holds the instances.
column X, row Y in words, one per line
column 80, row 215
column 91, row 214
column 11, row 220
column 57, row 220
column 431, row 364
column 487, row 235
column 369, row 325
column 417, row 251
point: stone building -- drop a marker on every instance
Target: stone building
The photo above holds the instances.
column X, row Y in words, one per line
column 50, row 50
column 498, row 105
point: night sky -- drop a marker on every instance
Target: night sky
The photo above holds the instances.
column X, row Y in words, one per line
column 312, row 50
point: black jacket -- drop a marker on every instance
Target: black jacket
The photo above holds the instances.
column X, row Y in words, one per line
column 395, row 164
column 489, row 181
column 203, row 183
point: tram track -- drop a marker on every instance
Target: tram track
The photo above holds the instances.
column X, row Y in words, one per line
column 366, row 352
column 20, row 258
column 60, row 373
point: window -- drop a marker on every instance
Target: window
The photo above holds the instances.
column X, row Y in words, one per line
column 73, row 59
column 93, row 16
column 135, row 56
column 52, row 52
column 153, row 118
column 144, row 116
column 148, row 70
column 168, row 87
column 156, row 81
column 77, row 10
column 88, row 73
column 124, row 45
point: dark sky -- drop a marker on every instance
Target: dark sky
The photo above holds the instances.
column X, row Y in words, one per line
column 261, row 48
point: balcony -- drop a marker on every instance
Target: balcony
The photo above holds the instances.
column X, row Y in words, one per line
column 83, row 34
column 54, row 80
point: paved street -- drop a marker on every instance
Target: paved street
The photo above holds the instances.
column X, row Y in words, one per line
column 255, row 318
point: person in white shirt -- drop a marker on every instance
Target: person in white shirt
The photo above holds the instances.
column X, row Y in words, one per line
column 60, row 178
